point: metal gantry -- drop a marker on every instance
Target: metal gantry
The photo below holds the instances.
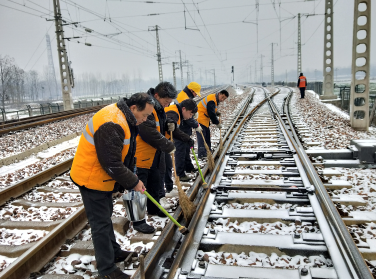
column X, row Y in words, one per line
column 65, row 75
column 181, row 71
column 272, row 71
column 159, row 57
column 299, row 47
column 328, row 86
column 360, row 70
column 173, row 73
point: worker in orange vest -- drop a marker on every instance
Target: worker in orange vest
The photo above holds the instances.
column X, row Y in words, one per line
column 103, row 164
column 302, row 84
column 151, row 148
column 207, row 111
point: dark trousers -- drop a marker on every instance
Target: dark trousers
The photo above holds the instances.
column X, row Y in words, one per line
column 152, row 179
column 98, row 207
column 167, row 177
column 200, row 141
column 302, row 92
column 182, row 159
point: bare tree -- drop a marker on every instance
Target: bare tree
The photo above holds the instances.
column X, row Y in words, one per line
column 6, row 64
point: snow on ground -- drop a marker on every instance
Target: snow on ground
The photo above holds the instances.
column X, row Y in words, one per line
column 5, row 262
column 17, row 142
column 12, row 176
column 264, row 260
column 330, row 128
column 18, row 237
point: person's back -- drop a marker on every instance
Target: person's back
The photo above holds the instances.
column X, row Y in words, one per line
column 302, row 84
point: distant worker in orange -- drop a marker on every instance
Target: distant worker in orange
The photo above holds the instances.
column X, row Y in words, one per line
column 302, row 84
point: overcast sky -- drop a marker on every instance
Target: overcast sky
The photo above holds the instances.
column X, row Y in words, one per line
column 122, row 44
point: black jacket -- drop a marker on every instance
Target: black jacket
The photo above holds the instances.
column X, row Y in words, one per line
column 108, row 141
column 172, row 116
column 187, row 125
column 210, row 107
column 151, row 136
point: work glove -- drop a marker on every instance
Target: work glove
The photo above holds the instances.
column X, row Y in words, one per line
column 191, row 143
column 173, row 151
column 196, row 116
column 218, row 113
column 219, row 126
column 199, row 129
column 171, row 127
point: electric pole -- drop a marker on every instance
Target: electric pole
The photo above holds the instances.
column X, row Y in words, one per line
column 186, row 63
column 181, row 72
column 272, row 73
column 299, row 47
column 51, row 68
column 159, row 58
column 256, row 71
column 173, row 73
column 193, row 78
column 65, row 73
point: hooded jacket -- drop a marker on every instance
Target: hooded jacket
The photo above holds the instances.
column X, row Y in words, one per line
column 149, row 135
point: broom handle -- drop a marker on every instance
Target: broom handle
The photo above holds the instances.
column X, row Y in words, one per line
column 173, row 158
column 199, row 169
column 162, row 209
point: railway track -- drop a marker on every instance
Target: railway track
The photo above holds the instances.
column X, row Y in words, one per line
column 24, row 201
column 267, row 214
column 33, row 121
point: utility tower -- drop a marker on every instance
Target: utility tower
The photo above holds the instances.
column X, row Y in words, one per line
column 300, row 47
column 159, row 57
column 272, row 73
column 360, row 70
column 173, row 72
column 65, row 74
column 186, row 64
column 328, row 85
column 51, row 70
column 193, row 78
column 256, row 71
column 181, row 72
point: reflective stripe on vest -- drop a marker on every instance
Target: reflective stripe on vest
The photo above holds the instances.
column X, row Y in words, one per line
column 86, row 169
column 204, row 102
column 90, row 138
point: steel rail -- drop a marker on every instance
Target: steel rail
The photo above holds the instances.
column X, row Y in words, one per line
column 169, row 238
column 29, row 183
column 343, row 237
column 201, row 199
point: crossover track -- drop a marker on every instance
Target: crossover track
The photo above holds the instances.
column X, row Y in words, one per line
column 32, row 257
column 267, row 214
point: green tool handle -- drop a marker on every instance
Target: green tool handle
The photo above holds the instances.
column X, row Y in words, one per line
column 198, row 166
column 161, row 208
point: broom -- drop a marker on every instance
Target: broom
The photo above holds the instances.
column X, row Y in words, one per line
column 220, row 138
column 186, row 205
column 209, row 154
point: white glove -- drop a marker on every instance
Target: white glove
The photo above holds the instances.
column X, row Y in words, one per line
column 219, row 126
column 173, row 151
column 171, row 127
column 196, row 115
column 199, row 129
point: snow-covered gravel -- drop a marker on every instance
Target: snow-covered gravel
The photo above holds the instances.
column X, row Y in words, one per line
column 264, row 260
column 17, row 142
column 13, row 177
column 18, row 237
column 5, row 262
column 330, row 127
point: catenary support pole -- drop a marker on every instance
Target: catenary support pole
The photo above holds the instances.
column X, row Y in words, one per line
column 159, row 57
column 299, row 47
column 65, row 73
column 328, row 85
column 360, row 70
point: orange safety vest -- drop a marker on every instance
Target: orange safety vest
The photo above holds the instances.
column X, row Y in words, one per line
column 145, row 152
column 203, row 117
column 181, row 97
column 175, row 109
column 302, row 81
column 86, row 169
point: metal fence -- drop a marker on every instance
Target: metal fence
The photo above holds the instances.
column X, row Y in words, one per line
column 48, row 108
